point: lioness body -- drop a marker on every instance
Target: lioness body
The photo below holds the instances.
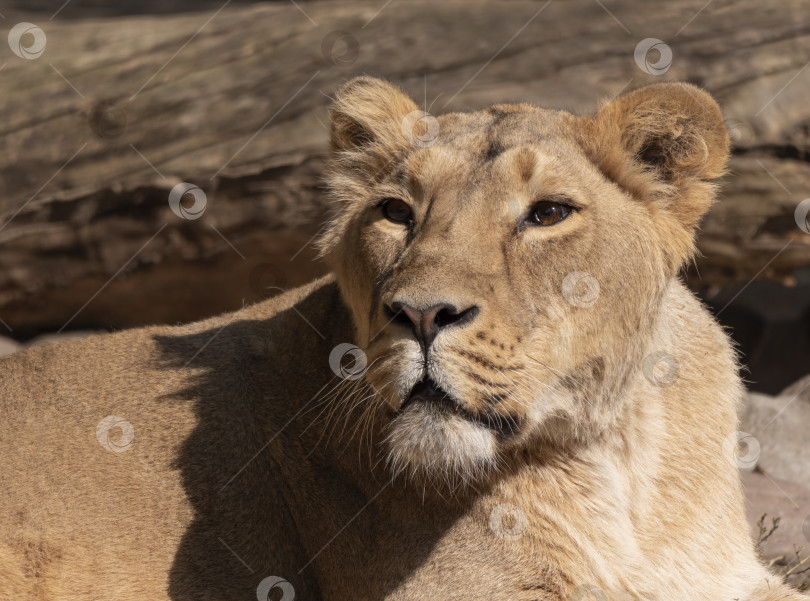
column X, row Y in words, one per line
column 152, row 522
column 507, row 438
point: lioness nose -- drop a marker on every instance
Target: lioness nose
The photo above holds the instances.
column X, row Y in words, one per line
column 427, row 322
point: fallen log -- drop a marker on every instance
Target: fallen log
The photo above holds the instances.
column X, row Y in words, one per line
column 99, row 129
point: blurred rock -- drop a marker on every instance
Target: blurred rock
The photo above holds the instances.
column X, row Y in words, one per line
column 801, row 391
column 771, row 323
column 780, row 485
column 8, row 346
column 781, row 425
column 777, row 498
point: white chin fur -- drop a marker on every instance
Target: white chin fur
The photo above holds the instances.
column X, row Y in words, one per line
column 425, row 442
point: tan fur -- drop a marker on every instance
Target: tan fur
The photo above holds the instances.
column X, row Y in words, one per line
column 251, row 458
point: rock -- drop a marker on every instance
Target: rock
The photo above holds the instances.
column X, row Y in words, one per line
column 771, row 324
column 781, row 425
column 8, row 346
column 786, row 500
column 801, row 391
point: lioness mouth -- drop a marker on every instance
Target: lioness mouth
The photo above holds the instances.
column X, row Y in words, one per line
column 430, row 396
column 428, row 391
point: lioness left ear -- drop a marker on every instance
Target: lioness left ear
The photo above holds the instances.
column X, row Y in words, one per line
column 367, row 116
column 664, row 144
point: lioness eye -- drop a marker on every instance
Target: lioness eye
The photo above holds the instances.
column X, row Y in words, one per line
column 396, row 210
column 547, row 212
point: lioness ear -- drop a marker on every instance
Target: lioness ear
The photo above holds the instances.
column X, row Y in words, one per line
column 663, row 143
column 368, row 114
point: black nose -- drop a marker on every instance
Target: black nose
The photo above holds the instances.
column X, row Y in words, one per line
column 427, row 322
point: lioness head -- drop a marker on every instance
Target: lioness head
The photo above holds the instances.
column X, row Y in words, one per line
column 504, row 268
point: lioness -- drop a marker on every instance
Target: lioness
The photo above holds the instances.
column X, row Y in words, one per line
column 502, row 392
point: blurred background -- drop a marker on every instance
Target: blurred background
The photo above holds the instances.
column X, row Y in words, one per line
column 160, row 161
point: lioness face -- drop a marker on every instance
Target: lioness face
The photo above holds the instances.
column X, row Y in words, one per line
column 502, row 278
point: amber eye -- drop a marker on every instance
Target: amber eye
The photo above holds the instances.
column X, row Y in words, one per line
column 547, row 212
column 396, row 210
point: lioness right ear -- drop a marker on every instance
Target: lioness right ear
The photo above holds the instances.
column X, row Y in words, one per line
column 368, row 114
column 664, row 143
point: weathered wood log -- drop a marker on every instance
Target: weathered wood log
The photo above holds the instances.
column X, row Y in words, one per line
column 97, row 131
